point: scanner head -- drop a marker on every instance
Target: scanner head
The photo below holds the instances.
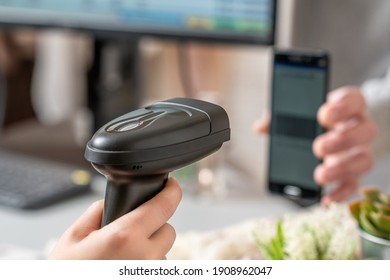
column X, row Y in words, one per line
column 159, row 138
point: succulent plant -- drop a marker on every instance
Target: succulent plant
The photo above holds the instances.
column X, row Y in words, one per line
column 373, row 212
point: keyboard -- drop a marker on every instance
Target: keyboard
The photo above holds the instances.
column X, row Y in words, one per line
column 31, row 183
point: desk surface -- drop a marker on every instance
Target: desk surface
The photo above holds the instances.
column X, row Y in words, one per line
column 34, row 228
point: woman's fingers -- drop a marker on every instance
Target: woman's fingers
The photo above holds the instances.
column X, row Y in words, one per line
column 262, row 126
column 342, row 104
column 341, row 192
column 340, row 167
column 345, row 136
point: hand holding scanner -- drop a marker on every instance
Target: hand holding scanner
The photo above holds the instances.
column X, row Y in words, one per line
column 136, row 151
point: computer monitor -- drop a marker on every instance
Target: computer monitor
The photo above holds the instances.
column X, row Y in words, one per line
column 110, row 21
column 242, row 21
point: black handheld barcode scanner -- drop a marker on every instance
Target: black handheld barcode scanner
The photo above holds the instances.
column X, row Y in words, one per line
column 136, row 151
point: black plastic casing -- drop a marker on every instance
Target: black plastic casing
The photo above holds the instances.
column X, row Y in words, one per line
column 137, row 150
column 180, row 131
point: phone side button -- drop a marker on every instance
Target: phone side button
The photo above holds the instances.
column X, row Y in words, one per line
column 292, row 190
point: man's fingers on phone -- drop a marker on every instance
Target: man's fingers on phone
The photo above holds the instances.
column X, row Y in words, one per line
column 342, row 104
column 346, row 136
column 262, row 126
column 339, row 167
column 342, row 191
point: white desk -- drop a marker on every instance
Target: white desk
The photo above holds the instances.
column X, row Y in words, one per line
column 33, row 229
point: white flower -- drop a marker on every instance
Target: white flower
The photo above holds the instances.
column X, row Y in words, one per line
column 300, row 244
column 320, row 233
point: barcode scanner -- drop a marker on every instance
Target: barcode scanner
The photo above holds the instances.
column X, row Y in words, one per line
column 136, row 151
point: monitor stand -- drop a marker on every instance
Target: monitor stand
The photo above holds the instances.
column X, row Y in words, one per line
column 113, row 79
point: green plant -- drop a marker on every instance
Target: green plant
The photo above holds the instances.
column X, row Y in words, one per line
column 321, row 233
column 273, row 250
column 373, row 212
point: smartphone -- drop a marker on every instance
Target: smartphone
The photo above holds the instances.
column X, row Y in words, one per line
column 299, row 88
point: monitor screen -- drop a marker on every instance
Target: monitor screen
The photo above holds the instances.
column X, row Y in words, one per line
column 245, row 21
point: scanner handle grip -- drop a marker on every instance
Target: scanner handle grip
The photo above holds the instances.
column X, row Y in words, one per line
column 125, row 195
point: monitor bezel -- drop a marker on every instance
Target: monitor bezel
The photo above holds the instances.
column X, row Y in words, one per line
column 174, row 35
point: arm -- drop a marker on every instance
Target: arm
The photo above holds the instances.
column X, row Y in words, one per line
column 377, row 95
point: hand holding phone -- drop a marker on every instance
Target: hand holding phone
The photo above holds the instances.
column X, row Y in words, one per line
column 345, row 147
column 299, row 88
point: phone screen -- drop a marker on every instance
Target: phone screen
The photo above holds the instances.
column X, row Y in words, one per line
column 300, row 84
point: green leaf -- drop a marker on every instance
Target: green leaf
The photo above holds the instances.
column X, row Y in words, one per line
column 380, row 221
column 370, row 193
column 367, row 226
column 264, row 249
column 280, row 232
column 380, row 207
column 277, row 249
column 274, row 249
column 384, row 198
column 354, row 208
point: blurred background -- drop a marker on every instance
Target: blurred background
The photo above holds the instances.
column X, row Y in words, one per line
column 65, row 73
